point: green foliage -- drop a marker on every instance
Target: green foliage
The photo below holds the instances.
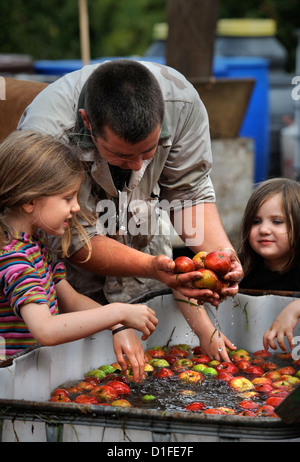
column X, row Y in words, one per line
column 50, row 30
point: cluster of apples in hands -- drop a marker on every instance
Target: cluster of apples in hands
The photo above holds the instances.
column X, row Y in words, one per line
column 259, row 383
column 212, row 267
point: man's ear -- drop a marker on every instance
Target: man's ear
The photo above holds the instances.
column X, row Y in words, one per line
column 85, row 118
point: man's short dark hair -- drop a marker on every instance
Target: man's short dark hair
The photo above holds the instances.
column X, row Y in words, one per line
column 125, row 96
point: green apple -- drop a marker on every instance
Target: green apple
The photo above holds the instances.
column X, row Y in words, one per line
column 98, row 373
column 107, row 368
column 148, row 398
column 159, row 363
column 199, row 367
column 210, row 371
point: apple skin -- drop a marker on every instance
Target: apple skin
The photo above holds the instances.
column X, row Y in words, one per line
column 263, row 388
column 182, row 365
column 288, row 370
column 159, row 363
column 210, row 372
column 60, row 398
column 120, row 387
column 203, row 359
column 262, row 381
column 243, row 364
column 198, row 259
column 241, row 384
column 156, row 353
column 197, row 350
column 248, row 404
column 212, row 411
column 225, row 410
column 247, row 413
column 254, row 370
column 274, row 401
column 208, row 280
column 225, row 376
column 273, row 375
column 269, row 366
column 199, row 367
column 262, row 353
column 184, row 264
column 105, row 392
column 196, row 406
column 227, row 367
column 174, row 351
column 218, row 262
column 163, row 373
column 148, row 398
column 190, row 376
column 121, row 402
column 265, row 411
column 86, row 399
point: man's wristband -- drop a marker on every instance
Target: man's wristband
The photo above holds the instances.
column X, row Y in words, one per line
column 115, row 331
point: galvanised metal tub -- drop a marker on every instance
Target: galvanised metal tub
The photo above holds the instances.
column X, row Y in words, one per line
column 26, row 384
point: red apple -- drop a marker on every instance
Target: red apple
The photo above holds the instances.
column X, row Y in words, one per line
column 254, row 370
column 227, row 367
column 207, row 280
column 198, row 259
column 120, row 387
column 86, row 399
column 202, row 359
column 226, row 376
column 243, row 364
column 274, row 401
column 269, row 366
column 105, row 392
column 170, row 358
column 197, row 350
column 196, row 406
column 60, row 392
column 60, row 398
column 262, row 381
column 86, row 385
column 247, row 413
column 273, row 375
column 222, row 284
column 164, row 372
column 287, row 370
column 156, row 353
column 218, row 262
column 174, row 351
column 266, row 411
column 212, row 411
column 184, row 265
column 263, row 388
column 287, row 356
column 262, row 353
column 248, row 404
column 225, row 410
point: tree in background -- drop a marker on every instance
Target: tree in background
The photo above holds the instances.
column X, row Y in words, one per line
column 50, row 30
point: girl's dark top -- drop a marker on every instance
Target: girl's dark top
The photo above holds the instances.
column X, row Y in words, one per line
column 265, row 279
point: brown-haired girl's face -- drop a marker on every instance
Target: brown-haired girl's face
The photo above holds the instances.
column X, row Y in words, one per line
column 269, row 233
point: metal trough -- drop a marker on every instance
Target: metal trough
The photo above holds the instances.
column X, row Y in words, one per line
column 26, row 384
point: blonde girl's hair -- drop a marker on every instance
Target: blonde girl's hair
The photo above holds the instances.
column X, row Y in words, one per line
column 290, row 191
column 31, row 165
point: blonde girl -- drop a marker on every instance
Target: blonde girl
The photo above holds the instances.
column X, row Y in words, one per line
column 40, row 178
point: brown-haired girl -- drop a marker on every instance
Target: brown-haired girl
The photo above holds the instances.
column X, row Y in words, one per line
column 270, row 249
